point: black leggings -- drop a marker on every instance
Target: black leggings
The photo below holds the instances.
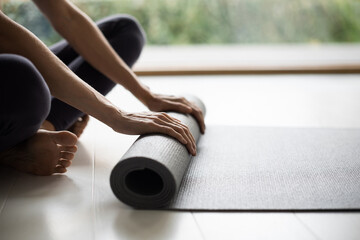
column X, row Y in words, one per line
column 25, row 100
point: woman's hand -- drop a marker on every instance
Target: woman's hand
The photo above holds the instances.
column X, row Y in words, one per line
column 151, row 122
column 163, row 103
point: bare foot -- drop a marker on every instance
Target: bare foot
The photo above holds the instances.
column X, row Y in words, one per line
column 45, row 153
column 78, row 127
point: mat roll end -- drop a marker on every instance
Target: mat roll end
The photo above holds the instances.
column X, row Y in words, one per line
column 142, row 183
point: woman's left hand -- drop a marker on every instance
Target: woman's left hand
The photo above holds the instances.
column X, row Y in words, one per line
column 163, row 103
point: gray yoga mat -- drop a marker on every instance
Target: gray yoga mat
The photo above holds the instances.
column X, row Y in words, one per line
column 243, row 168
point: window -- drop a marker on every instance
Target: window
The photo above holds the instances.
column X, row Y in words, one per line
column 229, row 23
column 218, row 21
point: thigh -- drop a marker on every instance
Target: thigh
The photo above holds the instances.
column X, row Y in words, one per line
column 122, row 31
column 24, row 100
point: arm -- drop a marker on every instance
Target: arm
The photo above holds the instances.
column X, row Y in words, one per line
column 66, row 86
column 85, row 37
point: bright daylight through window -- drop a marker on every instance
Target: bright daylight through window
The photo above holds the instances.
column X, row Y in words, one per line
column 226, row 34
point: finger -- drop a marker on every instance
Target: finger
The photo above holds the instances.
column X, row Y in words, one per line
column 59, row 169
column 171, row 132
column 168, row 117
column 199, row 116
column 169, row 97
column 67, row 155
column 182, row 130
column 187, row 108
column 164, row 128
column 65, row 163
column 176, row 122
column 179, row 123
column 165, row 116
column 197, row 113
column 187, row 131
column 178, row 99
column 180, row 107
column 200, row 119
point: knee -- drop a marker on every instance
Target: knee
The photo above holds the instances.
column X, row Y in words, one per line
column 125, row 35
column 23, row 89
column 131, row 26
column 125, row 29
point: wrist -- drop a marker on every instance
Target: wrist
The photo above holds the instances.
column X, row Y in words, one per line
column 138, row 89
column 117, row 120
column 144, row 94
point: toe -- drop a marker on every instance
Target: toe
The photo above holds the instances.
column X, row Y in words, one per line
column 67, row 155
column 71, row 149
column 65, row 163
column 65, row 138
column 60, row 169
column 85, row 119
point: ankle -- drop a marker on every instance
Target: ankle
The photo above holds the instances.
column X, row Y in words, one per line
column 47, row 126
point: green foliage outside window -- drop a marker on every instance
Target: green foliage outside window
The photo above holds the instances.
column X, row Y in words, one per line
column 217, row 21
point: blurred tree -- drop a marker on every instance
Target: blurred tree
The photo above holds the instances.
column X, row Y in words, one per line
column 217, row 21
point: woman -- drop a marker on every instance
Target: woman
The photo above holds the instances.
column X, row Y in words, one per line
column 38, row 131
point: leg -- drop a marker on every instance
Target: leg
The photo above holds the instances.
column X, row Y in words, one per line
column 25, row 103
column 25, row 100
column 126, row 37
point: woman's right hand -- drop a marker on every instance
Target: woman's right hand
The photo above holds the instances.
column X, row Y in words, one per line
column 156, row 122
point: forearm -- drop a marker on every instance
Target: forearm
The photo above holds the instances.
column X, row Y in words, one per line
column 85, row 37
column 62, row 82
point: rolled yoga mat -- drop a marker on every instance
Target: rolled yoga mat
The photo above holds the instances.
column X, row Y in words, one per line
column 150, row 173
column 243, row 168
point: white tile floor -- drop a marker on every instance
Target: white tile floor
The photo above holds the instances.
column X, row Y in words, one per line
column 80, row 204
